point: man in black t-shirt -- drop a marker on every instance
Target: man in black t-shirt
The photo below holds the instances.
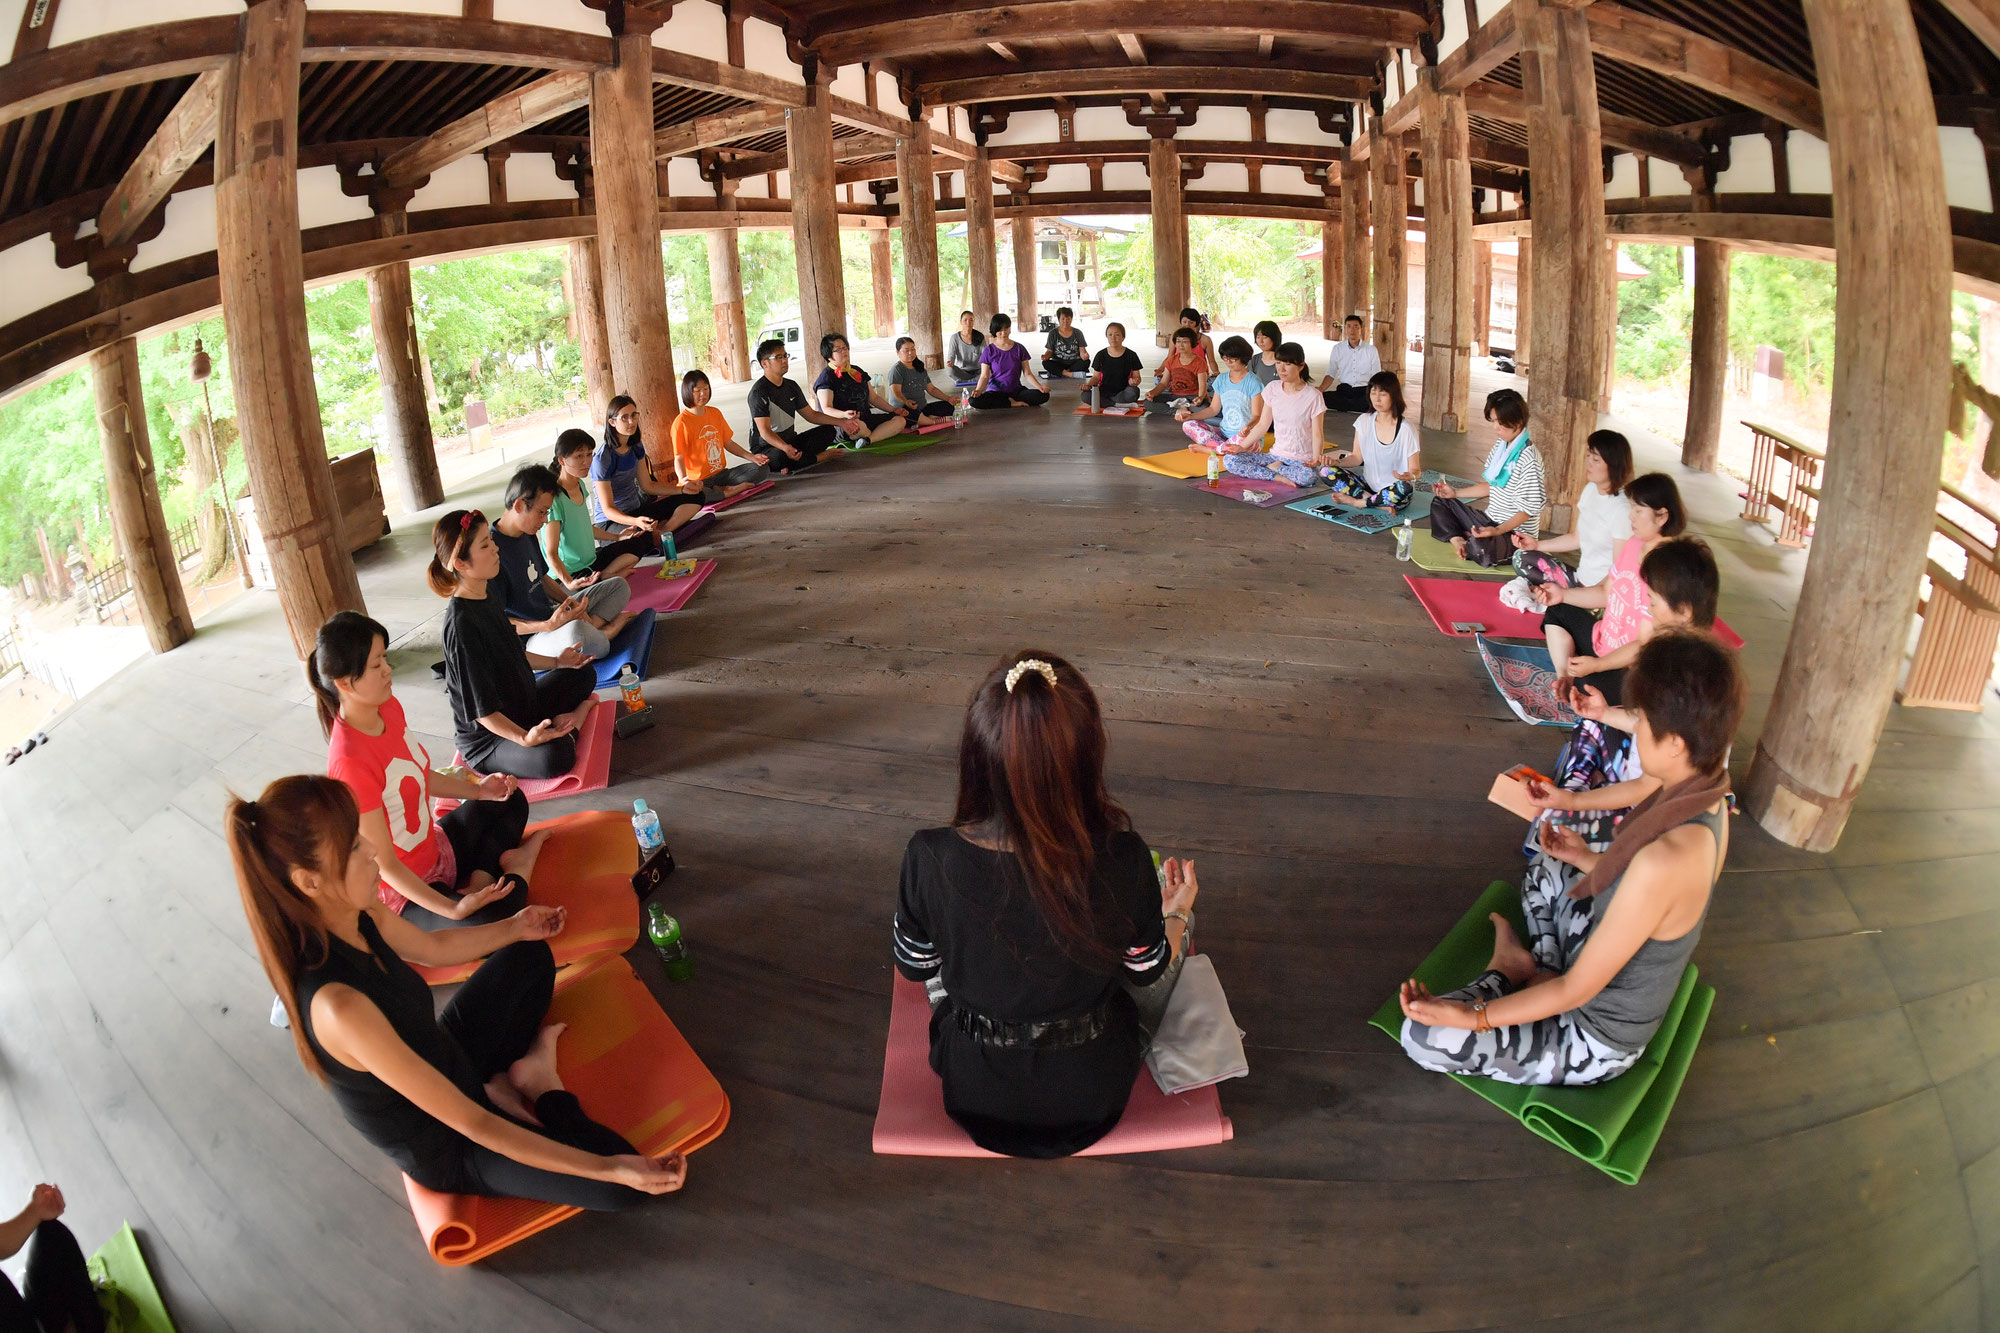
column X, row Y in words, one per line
column 1068, row 351
column 776, row 404
column 1114, row 372
column 539, row 607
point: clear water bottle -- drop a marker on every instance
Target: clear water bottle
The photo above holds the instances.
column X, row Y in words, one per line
column 646, row 827
column 665, row 933
column 1214, row 468
column 1404, row 536
column 628, row 688
column 964, row 411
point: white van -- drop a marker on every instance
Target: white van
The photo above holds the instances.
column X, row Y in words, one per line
column 788, row 334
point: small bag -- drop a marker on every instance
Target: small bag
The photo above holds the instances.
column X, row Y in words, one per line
column 1198, row 1042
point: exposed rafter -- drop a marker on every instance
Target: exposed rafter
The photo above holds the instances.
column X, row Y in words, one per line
column 1152, row 79
column 714, row 131
column 184, row 136
column 503, row 117
column 1981, row 18
column 1135, row 50
column 1496, row 102
column 1669, row 49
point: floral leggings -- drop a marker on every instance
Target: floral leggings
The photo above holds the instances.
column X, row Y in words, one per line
column 1395, row 496
column 1269, row 467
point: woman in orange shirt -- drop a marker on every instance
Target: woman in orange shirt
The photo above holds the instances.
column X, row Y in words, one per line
column 702, row 443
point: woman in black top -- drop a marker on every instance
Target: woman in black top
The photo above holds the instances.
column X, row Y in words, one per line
column 503, row 719
column 470, row 1103
column 1029, row 917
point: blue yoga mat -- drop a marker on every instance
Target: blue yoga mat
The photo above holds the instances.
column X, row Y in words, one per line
column 634, row 644
column 1379, row 520
column 1525, row 675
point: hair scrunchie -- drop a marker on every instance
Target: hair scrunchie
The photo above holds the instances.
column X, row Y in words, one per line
column 1027, row 664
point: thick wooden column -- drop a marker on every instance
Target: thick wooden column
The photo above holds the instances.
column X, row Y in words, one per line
column 1357, row 252
column 628, row 234
column 593, row 340
column 1449, row 319
column 1565, row 161
column 1390, row 190
column 815, row 224
column 1708, row 368
column 1027, row 300
column 1608, row 357
column 1170, row 277
column 145, row 543
column 1329, row 277
column 262, row 272
column 885, row 283
column 725, row 290
column 1524, row 305
column 1482, row 298
column 406, row 414
column 983, row 258
column 914, row 183
column 1885, row 439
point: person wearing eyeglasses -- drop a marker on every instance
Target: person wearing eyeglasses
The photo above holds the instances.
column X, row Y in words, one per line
column 778, row 404
column 626, row 489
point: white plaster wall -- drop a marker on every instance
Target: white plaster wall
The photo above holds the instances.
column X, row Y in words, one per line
column 1030, row 127
column 784, row 184
column 1489, row 8
column 764, row 51
column 684, row 177
column 190, row 230
column 321, row 203
column 1416, row 193
column 442, row 8
column 1752, row 168
column 752, row 188
column 11, row 13
column 696, row 28
column 1066, row 178
column 1624, row 182
column 954, row 182
column 80, row 19
column 1229, row 177
column 29, row 278
column 1126, row 176
column 941, row 119
column 1106, row 122
column 1668, row 182
column 460, row 184
column 1812, row 167
column 1289, row 125
column 1501, row 201
column 1220, row 122
column 848, row 82
column 1965, row 180
column 572, row 15
column 533, row 176
column 1454, row 31
column 1288, row 178
column 887, row 95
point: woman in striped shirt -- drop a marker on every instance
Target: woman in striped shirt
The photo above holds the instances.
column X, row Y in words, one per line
column 1511, row 485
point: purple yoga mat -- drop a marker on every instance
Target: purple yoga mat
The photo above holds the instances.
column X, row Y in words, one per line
column 1231, row 487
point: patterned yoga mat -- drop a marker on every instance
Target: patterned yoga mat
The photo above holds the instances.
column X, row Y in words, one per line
column 1525, row 675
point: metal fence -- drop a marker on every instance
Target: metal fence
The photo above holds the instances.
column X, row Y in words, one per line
column 10, row 652
column 112, row 582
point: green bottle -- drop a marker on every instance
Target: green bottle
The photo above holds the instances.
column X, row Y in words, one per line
column 665, row 933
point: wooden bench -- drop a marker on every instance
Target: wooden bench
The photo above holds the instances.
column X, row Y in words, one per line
column 1795, row 503
column 1954, row 656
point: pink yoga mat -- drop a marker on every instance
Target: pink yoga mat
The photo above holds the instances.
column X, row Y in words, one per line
column 650, row 591
column 911, row 1121
column 738, row 498
column 1229, row 486
column 931, row 428
column 593, row 761
column 1478, row 601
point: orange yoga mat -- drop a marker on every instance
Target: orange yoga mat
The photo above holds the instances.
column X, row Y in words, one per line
column 631, row 1070
column 592, row 770
column 1185, row 464
column 586, row 866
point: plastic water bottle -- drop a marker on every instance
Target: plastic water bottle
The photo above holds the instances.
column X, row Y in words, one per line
column 1404, row 536
column 958, row 418
column 667, row 540
column 665, row 933
column 633, row 697
column 646, row 826
column 1214, row 468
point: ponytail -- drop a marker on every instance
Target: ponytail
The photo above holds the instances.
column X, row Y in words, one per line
column 571, row 441
column 451, row 537
column 340, row 653
column 299, row 823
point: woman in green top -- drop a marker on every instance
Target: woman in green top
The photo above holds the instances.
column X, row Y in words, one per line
column 571, row 537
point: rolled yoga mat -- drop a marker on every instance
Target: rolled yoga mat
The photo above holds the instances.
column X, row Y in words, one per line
column 591, row 772
column 631, row 1070
column 1183, row 464
column 1614, row 1125
column 650, row 592
column 125, row 1287
column 894, row 446
column 1231, row 487
column 586, row 868
column 1525, row 675
column 910, row 1120
column 739, row 497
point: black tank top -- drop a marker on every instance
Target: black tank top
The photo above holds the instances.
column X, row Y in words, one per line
column 416, row 1141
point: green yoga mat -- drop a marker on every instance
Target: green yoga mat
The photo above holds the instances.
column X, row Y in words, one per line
column 1439, row 558
column 900, row 444
column 1612, row 1125
column 125, row 1287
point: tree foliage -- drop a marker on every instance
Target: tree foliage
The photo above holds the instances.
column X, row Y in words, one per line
column 1241, row 269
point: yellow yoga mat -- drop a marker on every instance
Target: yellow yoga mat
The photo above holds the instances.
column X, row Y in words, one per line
column 1186, row 464
column 1438, row 557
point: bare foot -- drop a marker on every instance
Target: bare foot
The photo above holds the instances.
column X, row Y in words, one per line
column 582, row 711
column 521, row 861
column 507, row 1099
column 1017, row 403
column 1458, row 545
column 535, row 1073
column 1511, row 958
column 617, row 623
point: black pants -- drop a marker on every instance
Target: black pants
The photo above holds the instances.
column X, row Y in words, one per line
column 555, row 694
column 936, row 407
column 1347, row 398
column 869, row 420
column 495, row 1017
column 666, row 508
column 1065, row 365
column 480, row 832
column 1456, row 518
column 641, row 544
column 58, row 1293
column 810, row 444
column 993, row 398
column 1112, row 397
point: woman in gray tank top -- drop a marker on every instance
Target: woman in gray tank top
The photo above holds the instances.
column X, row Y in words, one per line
column 1609, row 936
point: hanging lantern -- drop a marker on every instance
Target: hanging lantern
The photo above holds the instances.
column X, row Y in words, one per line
column 201, row 367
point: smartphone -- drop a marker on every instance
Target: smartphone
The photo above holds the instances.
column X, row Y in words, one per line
column 1468, row 627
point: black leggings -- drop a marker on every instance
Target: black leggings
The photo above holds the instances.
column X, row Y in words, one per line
column 810, row 444
column 1579, row 622
column 495, row 1017
column 641, row 544
column 480, row 832
column 993, row 398
column 1456, row 518
column 555, row 694
column 1346, row 398
column 57, row 1286
column 937, row 407
column 1056, row 365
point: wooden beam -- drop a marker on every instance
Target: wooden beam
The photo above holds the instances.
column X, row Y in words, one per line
column 76, row 70
column 1981, row 18
column 1007, row 172
column 502, row 118
column 332, row 35
column 847, row 111
column 1135, row 50
column 857, row 173
column 714, row 131
column 183, row 136
column 1087, row 81
column 1004, row 51
column 712, row 76
column 1489, row 46
column 1135, row 149
column 765, row 163
column 1669, row 49
column 1495, row 102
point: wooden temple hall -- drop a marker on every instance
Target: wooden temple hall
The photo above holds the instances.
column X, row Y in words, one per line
column 1280, row 708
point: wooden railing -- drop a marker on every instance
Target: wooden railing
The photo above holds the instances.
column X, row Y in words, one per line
column 1954, row 656
column 1797, row 500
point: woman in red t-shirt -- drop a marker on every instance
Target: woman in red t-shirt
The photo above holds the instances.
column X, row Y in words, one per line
column 466, row 868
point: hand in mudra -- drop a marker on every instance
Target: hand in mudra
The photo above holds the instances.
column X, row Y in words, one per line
column 1177, row 885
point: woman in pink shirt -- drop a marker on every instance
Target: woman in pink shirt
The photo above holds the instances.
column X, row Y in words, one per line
column 1295, row 412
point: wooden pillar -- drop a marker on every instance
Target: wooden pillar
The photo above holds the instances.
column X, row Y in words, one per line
column 885, row 283
column 815, row 224
column 1892, row 348
column 1708, row 368
column 586, row 288
column 1027, row 300
column 262, row 281
column 628, row 232
column 1170, row 284
column 1357, row 255
column 1392, row 219
column 1482, row 298
column 1565, row 161
column 1449, row 318
column 406, row 413
column 918, row 206
column 725, row 291
column 983, row 258
column 1329, row 277
column 145, row 543
column 1524, row 304
column 1610, row 327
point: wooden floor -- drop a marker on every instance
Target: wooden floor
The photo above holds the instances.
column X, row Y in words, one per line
column 1281, row 710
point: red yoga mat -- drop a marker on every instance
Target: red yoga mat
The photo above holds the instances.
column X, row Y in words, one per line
column 1129, row 413
column 1231, row 487
column 592, row 771
column 1478, row 602
column 911, row 1120
column 651, row 592
column 738, row 498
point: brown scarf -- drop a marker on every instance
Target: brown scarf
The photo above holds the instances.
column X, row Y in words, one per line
column 1664, row 810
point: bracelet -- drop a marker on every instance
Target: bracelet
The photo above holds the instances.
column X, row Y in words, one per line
column 1480, row 1022
column 1182, row 915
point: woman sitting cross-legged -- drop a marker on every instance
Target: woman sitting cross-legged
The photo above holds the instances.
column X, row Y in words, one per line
column 1606, row 949
column 1234, row 413
column 1389, row 467
column 910, row 386
column 1603, row 521
column 1607, row 620
column 468, row 867
column 844, row 387
column 504, row 720
column 465, row 1102
column 1511, row 485
column 1004, row 377
column 1296, row 415
column 579, row 549
column 1182, row 380
column 1029, row 916
column 962, row 352
column 626, row 489
column 703, row 443
column 56, row 1294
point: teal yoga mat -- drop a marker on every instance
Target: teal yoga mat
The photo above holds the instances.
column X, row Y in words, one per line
column 1613, row 1125
column 1370, row 521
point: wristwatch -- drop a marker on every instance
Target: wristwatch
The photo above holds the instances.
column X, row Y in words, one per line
column 1186, row 917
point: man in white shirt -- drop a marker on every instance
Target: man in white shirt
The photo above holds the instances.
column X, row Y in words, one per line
column 1349, row 367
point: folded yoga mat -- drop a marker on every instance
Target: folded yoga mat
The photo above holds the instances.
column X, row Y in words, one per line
column 1183, row 464
column 739, row 497
column 1130, row 412
column 1230, row 487
column 1439, row 558
column 1525, row 675
column 632, row 1071
column 1613, row 1125
column 634, row 644
column 1475, row 600
column 586, row 868
column 592, row 770
column 125, row 1287
column 911, row 1121
column 650, row 592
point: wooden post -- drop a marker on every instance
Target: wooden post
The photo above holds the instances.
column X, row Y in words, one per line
column 725, row 290
column 1329, row 276
column 1170, row 284
column 593, row 342
column 1565, row 161
column 1392, row 219
column 1524, row 305
column 815, row 224
column 885, row 283
column 920, row 254
column 1708, row 368
column 1482, row 298
column 1357, row 254
column 262, row 281
column 628, row 233
column 406, row 413
column 1892, row 350
column 983, row 258
column 145, row 543
column 1449, row 319
column 1027, row 300
column 1610, row 326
